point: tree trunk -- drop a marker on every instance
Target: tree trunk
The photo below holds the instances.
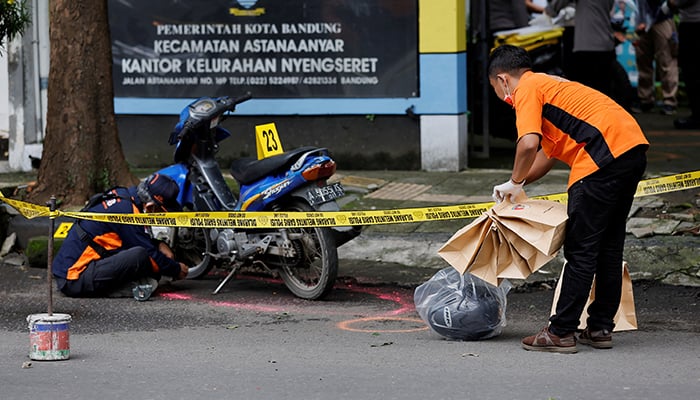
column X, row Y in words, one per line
column 82, row 154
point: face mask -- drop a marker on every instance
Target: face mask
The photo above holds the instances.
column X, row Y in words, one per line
column 508, row 98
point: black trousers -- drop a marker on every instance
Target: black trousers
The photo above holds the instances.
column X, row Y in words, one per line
column 598, row 206
column 688, row 51
column 107, row 274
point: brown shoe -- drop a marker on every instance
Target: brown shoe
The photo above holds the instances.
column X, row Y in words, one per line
column 598, row 339
column 545, row 340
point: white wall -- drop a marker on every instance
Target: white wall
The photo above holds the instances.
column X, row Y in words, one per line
column 4, row 98
column 24, row 72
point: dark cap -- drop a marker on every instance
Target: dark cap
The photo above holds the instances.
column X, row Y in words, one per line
column 163, row 191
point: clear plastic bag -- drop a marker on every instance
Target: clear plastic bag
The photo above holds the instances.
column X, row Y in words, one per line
column 462, row 307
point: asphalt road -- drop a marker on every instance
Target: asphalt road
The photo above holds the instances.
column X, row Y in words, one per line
column 254, row 340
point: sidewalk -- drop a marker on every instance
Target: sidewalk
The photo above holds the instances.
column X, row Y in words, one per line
column 406, row 254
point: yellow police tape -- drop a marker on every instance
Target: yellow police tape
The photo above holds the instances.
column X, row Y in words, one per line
column 274, row 219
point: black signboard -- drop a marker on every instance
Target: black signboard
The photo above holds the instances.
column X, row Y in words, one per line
column 272, row 48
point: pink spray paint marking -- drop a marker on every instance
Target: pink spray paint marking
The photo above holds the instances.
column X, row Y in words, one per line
column 404, row 304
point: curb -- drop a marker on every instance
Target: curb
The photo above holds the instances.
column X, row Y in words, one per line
column 673, row 260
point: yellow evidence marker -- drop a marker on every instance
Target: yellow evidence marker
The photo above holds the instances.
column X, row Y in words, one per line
column 267, row 141
column 62, row 231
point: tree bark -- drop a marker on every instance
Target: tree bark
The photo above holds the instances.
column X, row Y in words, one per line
column 82, row 153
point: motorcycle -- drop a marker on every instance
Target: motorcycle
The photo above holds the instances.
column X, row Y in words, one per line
column 305, row 258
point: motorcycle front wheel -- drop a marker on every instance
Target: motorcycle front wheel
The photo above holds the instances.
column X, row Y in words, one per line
column 312, row 273
column 193, row 247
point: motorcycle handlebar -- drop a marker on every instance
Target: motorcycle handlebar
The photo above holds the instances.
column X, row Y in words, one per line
column 224, row 104
column 243, row 98
column 239, row 100
column 176, row 136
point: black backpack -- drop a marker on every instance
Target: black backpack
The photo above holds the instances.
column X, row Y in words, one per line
column 109, row 194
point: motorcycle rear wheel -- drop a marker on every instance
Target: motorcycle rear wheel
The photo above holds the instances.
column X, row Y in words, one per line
column 313, row 273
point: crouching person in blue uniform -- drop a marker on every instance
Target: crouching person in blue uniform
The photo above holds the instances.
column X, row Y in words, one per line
column 102, row 259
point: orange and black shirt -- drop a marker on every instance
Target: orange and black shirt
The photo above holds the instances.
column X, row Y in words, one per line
column 578, row 125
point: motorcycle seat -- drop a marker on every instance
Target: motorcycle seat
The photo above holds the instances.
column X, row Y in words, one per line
column 248, row 169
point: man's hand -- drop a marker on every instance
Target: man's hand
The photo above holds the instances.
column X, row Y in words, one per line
column 641, row 28
column 509, row 189
column 183, row 271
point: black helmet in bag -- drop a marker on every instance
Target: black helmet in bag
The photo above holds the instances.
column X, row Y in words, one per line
column 462, row 307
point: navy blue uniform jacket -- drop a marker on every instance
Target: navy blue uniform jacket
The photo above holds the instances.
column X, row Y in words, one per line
column 75, row 254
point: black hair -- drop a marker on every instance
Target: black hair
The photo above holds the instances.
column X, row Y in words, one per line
column 509, row 59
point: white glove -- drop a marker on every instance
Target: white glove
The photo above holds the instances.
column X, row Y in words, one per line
column 568, row 13
column 565, row 16
column 541, row 20
column 510, row 189
column 665, row 8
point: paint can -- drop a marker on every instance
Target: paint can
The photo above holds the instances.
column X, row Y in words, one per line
column 49, row 336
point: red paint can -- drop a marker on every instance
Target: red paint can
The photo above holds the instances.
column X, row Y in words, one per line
column 49, row 336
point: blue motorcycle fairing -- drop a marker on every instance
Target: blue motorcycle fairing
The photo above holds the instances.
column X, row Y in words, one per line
column 221, row 133
column 258, row 195
column 179, row 174
column 184, row 115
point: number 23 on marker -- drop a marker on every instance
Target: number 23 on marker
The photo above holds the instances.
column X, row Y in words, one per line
column 267, row 141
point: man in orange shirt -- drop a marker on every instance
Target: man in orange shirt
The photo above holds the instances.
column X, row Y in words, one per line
column 605, row 148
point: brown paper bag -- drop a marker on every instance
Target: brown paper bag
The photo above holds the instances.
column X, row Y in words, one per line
column 459, row 251
column 511, row 262
column 521, row 250
column 541, row 223
column 626, row 316
column 485, row 263
column 514, row 245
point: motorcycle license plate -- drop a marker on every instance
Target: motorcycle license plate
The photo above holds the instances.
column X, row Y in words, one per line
column 325, row 194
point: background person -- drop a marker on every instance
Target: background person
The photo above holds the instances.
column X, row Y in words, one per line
column 657, row 45
column 99, row 258
column 535, row 6
column 507, row 14
column 688, row 51
column 503, row 15
column 593, row 54
column 606, row 150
